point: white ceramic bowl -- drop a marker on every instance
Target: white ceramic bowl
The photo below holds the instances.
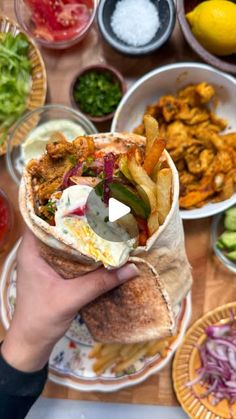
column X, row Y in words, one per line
column 169, row 79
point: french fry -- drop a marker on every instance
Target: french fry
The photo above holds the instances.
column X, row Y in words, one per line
column 171, row 339
column 139, row 174
column 103, row 369
column 128, row 350
column 95, row 350
column 151, row 131
column 156, row 347
column 121, row 356
column 110, row 349
column 153, row 223
column 154, row 155
column 161, row 164
column 155, row 171
column 164, row 184
column 138, row 154
column 100, row 370
column 123, row 166
column 121, row 366
column 164, row 352
column 103, row 362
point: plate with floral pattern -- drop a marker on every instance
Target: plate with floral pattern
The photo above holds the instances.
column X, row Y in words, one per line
column 69, row 363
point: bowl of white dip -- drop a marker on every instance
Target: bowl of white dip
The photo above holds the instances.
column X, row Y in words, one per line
column 33, row 131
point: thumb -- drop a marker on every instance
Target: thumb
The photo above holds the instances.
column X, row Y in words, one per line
column 88, row 287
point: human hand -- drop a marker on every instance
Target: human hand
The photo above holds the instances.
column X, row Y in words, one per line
column 46, row 304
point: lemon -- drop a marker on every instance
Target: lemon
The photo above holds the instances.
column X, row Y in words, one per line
column 213, row 23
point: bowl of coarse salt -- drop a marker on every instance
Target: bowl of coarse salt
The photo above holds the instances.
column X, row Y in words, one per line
column 136, row 27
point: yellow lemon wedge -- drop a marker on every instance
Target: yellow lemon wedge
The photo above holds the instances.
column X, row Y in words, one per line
column 213, row 23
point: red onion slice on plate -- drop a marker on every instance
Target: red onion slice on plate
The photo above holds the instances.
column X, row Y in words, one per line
column 218, row 364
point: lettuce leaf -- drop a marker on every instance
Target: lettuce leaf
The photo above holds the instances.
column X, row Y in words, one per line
column 15, row 80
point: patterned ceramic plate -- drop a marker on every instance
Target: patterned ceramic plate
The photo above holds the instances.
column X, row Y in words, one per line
column 186, row 363
column 69, row 364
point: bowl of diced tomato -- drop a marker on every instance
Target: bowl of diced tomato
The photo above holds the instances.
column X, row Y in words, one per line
column 56, row 23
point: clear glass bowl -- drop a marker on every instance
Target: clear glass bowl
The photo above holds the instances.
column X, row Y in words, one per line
column 23, row 14
column 217, row 228
column 6, row 220
column 37, row 118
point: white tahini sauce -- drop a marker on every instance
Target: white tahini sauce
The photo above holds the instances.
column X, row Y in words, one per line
column 76, row 232
column 35, row 143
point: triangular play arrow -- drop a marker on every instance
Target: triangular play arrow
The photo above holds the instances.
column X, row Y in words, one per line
column 116, row 210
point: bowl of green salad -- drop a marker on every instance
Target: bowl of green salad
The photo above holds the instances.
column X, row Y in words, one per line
column 223, row 236
column 96, row 91
column 23, row 81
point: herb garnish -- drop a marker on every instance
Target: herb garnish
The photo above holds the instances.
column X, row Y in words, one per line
column 88, row 171
column 51, row 207
column 90, row 159
column 68, row 202
column 96, row 93
column 101, row 175
column 72, row 158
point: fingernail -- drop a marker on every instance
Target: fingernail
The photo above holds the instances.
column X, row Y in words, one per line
column 127, row 272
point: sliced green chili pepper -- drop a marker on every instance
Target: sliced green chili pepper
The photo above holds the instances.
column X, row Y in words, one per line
column 127, row 197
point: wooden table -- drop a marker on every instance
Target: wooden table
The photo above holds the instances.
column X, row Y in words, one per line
column 213, row 284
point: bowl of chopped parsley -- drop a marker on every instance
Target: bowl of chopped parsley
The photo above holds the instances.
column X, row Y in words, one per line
column 97, row 90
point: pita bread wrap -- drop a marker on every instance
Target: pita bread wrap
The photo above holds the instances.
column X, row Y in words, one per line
column 145, row 307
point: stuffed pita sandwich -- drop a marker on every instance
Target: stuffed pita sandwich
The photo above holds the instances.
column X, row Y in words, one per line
column 64, row 197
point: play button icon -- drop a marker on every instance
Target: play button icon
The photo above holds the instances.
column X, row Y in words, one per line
column 116, row 210
column 113, row 222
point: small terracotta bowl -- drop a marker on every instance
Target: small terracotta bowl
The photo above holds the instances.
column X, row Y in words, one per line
column 227, row 63
column 99, row 68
